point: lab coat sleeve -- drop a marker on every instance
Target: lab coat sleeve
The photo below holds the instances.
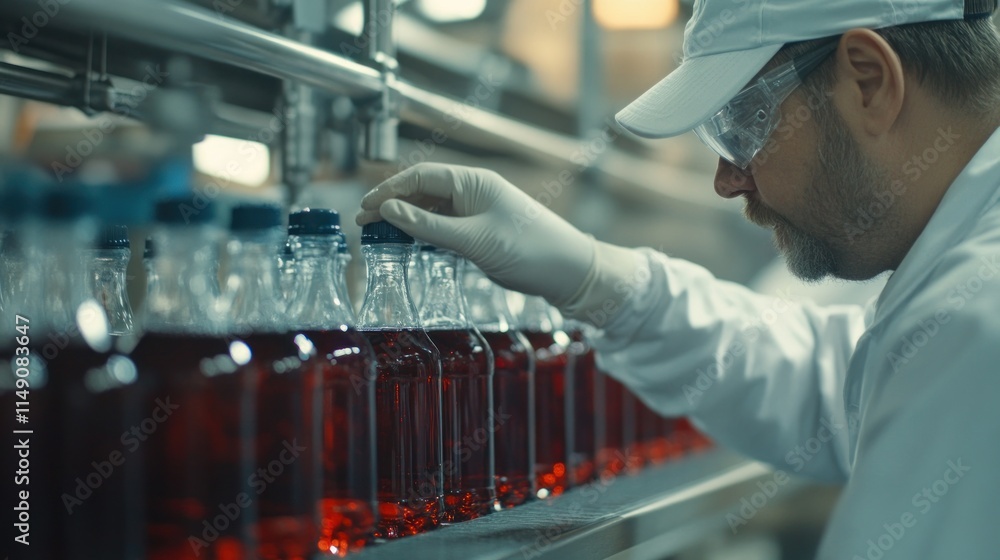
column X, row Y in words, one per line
column 924, row 483
column 760, row 375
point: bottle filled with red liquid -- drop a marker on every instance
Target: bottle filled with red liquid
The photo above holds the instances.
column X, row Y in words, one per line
column 346, row 394
column 513, row 388
column 552, row 425
column 196, row 438
column 409, row 454
column 467, row 412
column 287, row 384
column 100, row 400
column 581, row 375
column 655, row 434
column 612, row 433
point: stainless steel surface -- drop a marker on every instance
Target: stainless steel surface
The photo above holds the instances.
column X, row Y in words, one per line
column 196, row 31
column 687, row 499
column 381, row 115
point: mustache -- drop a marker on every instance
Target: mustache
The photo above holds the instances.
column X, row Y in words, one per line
column 759, row 213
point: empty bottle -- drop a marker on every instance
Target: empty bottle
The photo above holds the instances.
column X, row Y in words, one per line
column 407, row 389
column 343, row 262
column 346, row 408
column 513, row 388
column 467, row 391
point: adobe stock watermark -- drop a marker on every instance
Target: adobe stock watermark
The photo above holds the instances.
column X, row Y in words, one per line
column 77, row 153
column 707, row 377
column 913, row 169
column 231, row 512
column 894, row 530
column 797, row 459
column 32, row 24
column 131, row 440
column 957, row 299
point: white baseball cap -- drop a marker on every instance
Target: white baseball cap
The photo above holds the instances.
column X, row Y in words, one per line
column 727, row 42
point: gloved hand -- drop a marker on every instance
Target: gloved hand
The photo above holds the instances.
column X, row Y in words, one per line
column 514, row 239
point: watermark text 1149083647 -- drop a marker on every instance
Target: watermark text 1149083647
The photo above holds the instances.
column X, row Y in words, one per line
column 22, row 431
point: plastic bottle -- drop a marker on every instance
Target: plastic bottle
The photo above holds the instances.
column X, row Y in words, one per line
column 552, row 427
column 581, row 375
column 467, row 391
column 407, row 390
column 197, row 446
column 347, row 391
column 513, row 388
column 287, row 385
column 343, row 262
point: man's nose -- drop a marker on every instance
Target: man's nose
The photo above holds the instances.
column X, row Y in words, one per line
column 731, row 181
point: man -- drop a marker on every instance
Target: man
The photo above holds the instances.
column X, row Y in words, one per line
column 863, row 134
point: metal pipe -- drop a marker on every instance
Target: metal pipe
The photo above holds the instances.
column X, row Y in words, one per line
column 381, row 116
column 199, row 32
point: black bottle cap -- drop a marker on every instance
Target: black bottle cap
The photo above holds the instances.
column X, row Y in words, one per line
column 252, row 217
column 384, row 232
column 112, row 237
column 314, row 221
column 427, row 248
column 184, row 210
column 286, row 251
column 149, row 252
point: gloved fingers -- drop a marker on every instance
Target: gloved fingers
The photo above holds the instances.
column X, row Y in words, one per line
column 423, row 184
column 441, row 231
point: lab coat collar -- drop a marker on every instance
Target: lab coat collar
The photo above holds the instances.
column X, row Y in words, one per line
column 976, row 189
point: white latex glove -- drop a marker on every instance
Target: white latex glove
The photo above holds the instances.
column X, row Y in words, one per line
column 513, row 238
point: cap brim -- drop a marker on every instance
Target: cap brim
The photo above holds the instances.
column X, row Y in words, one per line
column 693, row 92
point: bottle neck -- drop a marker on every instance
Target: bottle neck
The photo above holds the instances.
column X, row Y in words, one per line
column 388, row 303
column 106, row 280
column 316, row 302
column 253, row 301
column 538, row 315
column 443, row 305
column 487, row 302
column 182, row 299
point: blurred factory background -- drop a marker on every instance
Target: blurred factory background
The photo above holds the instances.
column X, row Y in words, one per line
column 561, row 67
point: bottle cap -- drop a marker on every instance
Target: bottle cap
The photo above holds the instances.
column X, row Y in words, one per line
column 112, row 237
column 149, row 252
column 250, row 217
column 314, row 221
column 286, row 251
column 384, row 232
column 427, row 248
column 184, row 211
column 67, row 204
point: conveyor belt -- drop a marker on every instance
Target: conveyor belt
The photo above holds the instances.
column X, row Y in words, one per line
column 676, row 504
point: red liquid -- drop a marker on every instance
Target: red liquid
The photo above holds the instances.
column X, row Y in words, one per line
column 286, row 473
column 550, row 414
column 198, row 460
column 656, row 432
column 408, row 428
column 513, row 397
column 347, row 504
column 611, row 454
column 101, row 474
column 467, row 419
column 631, row 445
column 582, row 369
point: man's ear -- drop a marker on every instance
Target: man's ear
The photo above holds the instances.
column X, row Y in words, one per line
column 869, row 78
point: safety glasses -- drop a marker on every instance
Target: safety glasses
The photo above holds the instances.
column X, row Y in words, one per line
column 739, row 131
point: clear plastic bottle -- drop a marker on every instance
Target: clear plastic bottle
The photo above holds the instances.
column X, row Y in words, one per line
column 467, row 391
column 407, row 389
column 108, row 261
column 513, row 388
column 286, row 272
column 198, row 459
column 347, row 391
column 286, row 392
column 580, row 378
column 343, row 262
column 552, row 425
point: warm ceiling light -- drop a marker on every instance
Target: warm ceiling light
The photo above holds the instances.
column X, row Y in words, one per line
column 450, row 11
column 635, row 14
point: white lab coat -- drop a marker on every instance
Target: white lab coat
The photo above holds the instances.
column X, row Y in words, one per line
column 900, row 399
